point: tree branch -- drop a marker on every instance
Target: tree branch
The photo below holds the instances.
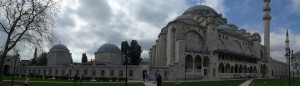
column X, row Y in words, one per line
column 27, row 26
column 3, row 27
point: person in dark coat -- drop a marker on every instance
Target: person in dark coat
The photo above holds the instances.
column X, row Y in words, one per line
column 75, row 78
column 158, row 80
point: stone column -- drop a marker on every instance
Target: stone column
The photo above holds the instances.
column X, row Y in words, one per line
column 193, row 64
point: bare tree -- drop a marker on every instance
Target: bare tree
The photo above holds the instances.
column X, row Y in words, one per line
column 30, row 21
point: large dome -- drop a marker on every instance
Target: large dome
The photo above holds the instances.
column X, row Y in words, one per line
column 200, row 9
column 108, row 47
column 59, row 47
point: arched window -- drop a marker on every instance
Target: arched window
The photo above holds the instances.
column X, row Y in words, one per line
column 221, row 68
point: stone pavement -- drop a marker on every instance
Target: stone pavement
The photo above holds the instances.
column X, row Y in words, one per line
column 149, row 84
column 246, row 83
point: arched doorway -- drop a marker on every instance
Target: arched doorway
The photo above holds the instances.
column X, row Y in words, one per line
column 264, row 70
column 6, row 69
column 188, row 62
column 198, row 62
column 245, row 69
column 221, row 68
column 236, row 68
column 205, row 64
column 241, row 69
column 227, row 68
column 255, row 70
column 251, row 69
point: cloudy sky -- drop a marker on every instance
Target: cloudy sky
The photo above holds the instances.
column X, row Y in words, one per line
column 84, row 25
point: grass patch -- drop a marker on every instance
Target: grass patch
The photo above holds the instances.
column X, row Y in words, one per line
column 19, row 81
column 206, row 83
column 275, row 82
column 8, row 83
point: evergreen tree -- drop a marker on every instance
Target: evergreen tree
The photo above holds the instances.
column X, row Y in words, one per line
column 132, row 52
column 42, row 59
column 34, row 61
column 135, row 53
column 84, row 58
column 125, row 51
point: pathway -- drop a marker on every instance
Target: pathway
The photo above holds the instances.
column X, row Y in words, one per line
column 246, row 83
column 149, row 84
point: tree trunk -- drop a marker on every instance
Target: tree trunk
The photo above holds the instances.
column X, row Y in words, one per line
column 3, row 56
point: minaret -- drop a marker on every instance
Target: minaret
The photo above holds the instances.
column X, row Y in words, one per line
column 267, row 19
column 287, row 47
column 35, row 53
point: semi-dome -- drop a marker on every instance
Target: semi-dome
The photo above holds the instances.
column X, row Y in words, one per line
column 223, row 27
column 108, row 47
column 186, row 19
column 59, row 47
column 200, row 9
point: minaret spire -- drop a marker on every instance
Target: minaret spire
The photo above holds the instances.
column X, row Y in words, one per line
column 267, row 19
column 287, row 41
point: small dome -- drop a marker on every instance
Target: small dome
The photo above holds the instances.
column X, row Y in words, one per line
column 232, row 25
column 59, row 47
column 108, row 47
column 255, row 34
column 223, row 27
column 200, row 9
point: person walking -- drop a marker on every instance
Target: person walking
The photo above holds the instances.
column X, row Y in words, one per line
column 75, row 78
column 158, row 80
column 26, row 82
column 147, row 77
column 144, row 77
column 80, row 79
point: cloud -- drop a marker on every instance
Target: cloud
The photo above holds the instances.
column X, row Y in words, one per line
column 84, row 25
column 218, row 5
column 294, row 6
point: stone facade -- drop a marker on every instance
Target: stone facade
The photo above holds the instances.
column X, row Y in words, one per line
column 201, row 45
column 108, row 63
column 296, row 64
column 9, row 64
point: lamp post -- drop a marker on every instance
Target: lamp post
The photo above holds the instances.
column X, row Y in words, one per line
column 292, row 65
column 185, row 73
column 288, row 55
column 126, row 63
column 16, row 56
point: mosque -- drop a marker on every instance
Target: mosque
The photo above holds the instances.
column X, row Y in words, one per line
column 198, row 45
column 201, row 45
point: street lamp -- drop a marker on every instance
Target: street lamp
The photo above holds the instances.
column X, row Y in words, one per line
column 126, row 80
column 292, row 65
column 16, row 56
column 288, row 55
